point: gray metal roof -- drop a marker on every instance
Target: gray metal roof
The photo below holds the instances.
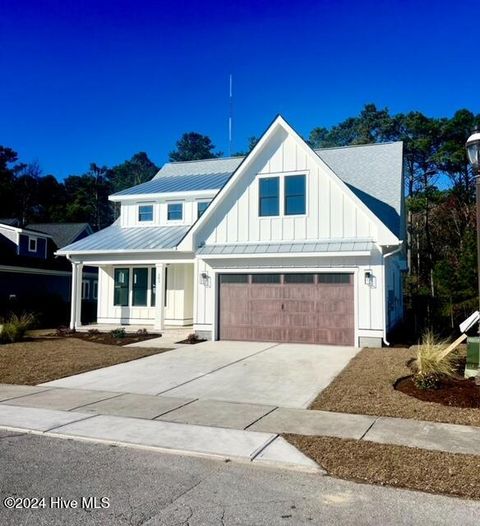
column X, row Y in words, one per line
column 62, row 233
column 179, row 183
column 117, row 239
column 287, row 248
column 374, row 173
column 203, row 167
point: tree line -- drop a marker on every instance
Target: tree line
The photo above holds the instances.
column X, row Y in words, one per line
column 440, row 285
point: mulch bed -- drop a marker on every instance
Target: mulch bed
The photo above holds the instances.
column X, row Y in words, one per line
column 107, row 339
column 454, row 392
column 366, row 386
column 192, row 342
column 48, row 358
column 400, row 466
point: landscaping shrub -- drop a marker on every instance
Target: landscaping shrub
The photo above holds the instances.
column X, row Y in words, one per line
column 431, row 363
column 63, row 330
column 192, row 338
column 16, row 326
column 142, row 332
column 118, row 333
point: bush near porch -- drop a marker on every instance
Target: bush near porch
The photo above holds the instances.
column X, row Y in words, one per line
column 44, row 359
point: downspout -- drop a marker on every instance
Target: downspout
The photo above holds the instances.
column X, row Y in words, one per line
column 385, row 306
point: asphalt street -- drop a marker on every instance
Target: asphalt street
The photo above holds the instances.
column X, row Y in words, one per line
column 126, row 486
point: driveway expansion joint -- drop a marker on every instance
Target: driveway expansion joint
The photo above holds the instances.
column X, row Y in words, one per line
column 369, row 427
column 75, row 421
column 258, row 419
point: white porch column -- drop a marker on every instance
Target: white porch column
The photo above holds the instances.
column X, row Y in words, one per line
column 76, row 299
column 73, row 296
column 78, row 308
column 160, row 296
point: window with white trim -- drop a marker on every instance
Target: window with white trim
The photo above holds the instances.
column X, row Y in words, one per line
column 175, row 212
column 145, row 213
column 32, row 244
column 201, row 207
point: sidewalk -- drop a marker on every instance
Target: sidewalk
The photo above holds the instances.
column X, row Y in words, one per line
column 246, row 432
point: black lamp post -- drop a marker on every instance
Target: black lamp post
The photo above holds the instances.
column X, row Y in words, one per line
column 473, row 151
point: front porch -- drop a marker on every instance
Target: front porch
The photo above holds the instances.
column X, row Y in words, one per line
column 136, row 295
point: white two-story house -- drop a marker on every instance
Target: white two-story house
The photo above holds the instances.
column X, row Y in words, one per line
column 287, row 244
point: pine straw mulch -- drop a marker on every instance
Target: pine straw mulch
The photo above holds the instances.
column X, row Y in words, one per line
column 399, row 466
column 366, row 386
column 44, row 359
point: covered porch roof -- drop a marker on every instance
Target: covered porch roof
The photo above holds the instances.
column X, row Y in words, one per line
column 117, row 239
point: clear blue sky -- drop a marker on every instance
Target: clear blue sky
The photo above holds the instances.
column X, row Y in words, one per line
column 96, row 81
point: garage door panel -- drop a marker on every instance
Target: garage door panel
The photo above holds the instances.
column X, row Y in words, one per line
column 321, row 311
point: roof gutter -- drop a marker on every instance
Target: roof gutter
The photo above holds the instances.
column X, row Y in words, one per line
column 385, row 306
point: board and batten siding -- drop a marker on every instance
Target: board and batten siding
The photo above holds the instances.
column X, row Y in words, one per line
column 179, row 309
column 330, row 212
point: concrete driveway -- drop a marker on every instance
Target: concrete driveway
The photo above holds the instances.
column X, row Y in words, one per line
column 282, row 375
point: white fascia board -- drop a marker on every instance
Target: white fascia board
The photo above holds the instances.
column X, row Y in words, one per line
column 164, row 195
column 130, row 262
column 136, row 251
column 285, row 255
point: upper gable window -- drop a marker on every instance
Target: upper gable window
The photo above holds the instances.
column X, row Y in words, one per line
column 145, row 213
column 32, row 244
column 295, row 195
column 269, row 196
column 175, row 211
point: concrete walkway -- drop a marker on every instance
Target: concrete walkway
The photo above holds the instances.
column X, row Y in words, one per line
column 247, row 432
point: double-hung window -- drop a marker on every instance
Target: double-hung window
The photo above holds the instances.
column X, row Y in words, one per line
column 295, row 195
column 145, row 213
column 32, row 244
column 121, row 287
column 175, row 211
column 269, row 196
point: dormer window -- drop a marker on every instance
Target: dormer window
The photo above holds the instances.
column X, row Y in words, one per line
column 32, row 244
column 145, row 213
column 201, row 207
column 175, row 212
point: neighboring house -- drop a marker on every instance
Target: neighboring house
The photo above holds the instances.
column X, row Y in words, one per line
column 32, row 277
column 287, row 244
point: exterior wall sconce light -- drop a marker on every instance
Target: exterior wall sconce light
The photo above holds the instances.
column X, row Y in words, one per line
column 204, row 279
column 369, row 278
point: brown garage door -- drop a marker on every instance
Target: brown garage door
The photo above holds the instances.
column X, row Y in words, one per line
column 302, row 308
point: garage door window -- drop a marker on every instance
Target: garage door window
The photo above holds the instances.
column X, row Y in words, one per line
column 334, row 278
column 234, row 278
column 299, row 278
column 265, row 278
